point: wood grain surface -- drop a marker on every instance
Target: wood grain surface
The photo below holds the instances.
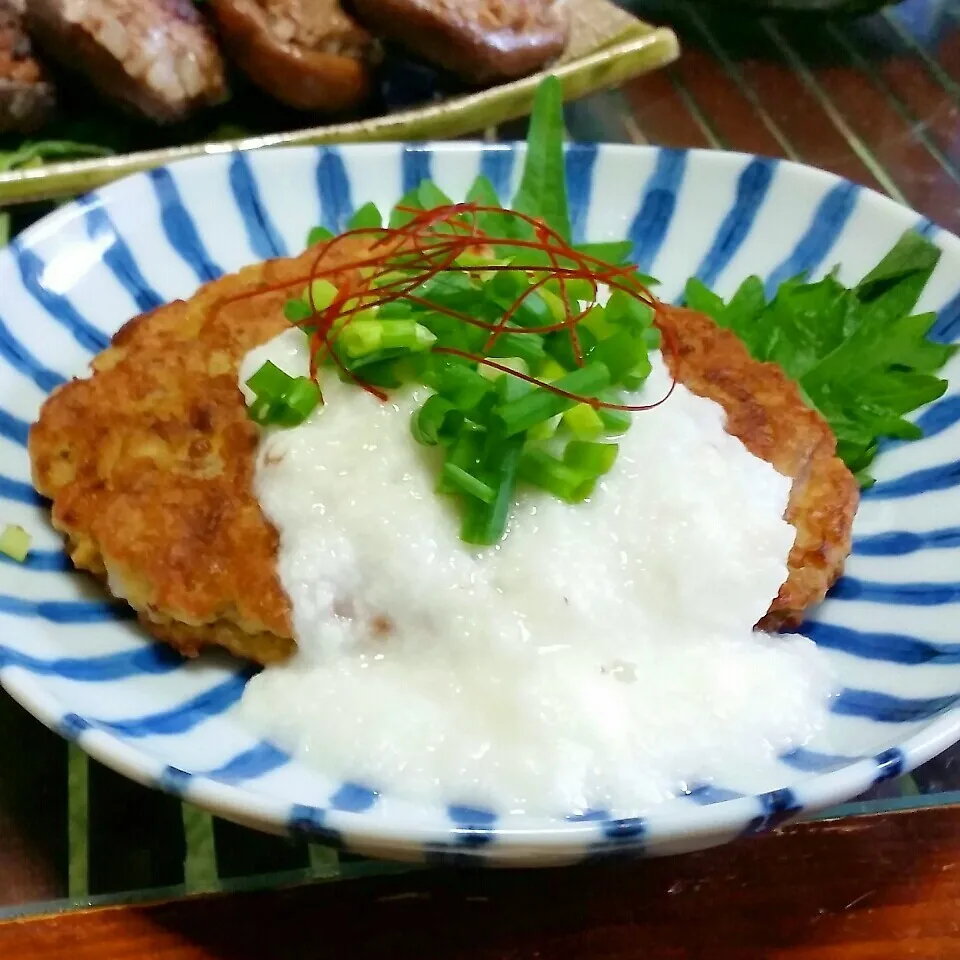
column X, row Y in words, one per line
column 866, row 888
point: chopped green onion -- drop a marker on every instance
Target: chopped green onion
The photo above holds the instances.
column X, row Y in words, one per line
column 546, row 429
column 262, row 411
column 594, row 459
column 527, row 346
column 465, row 453
column 270, row 382
column 614, row 421
column 464, row 387
column 559, row 346
column 510, row 388
column 485, row 523
column 324, row 293
column 584, row 422
column 296, row 311
column 298, row 402
column 458, row 478
column 597, row 323
column 15, row 542
column 620, row 354
column 519, row 415
column 280, row 398
column 547, row 472
column 495, row 373
column 624, row 310
column 363, row 337
column 437, row 421
column 635, row 378
column 554, row 303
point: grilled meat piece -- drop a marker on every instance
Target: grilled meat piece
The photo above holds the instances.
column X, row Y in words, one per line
column 307, row 53
column 155, row 56
column 26, row 95
column 480, row 41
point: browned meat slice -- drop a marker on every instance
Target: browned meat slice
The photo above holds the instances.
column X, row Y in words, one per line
column 156, row 56
column 307, row 53
column 26, row 95
column 481, row 41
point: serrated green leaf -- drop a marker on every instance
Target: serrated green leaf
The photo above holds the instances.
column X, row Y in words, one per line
column 860, row 356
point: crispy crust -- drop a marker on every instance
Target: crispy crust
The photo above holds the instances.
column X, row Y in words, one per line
column 767, row 414
column 150, row 464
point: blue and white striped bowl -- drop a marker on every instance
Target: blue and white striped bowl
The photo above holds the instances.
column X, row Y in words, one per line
column 77, row 662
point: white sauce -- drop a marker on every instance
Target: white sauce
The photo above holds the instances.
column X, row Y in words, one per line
column 601, row 656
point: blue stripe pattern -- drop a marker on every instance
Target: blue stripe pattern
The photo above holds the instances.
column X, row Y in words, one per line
column 185, row 716
column 414, row 165
column 942, row 477
column 928, row 594
column 64, row 612
column 333, row 186
column 42, row 561
column 118, row 255
column 946, row 328
column 885, row 708
column 150, row 659
column 753, row 185
column 265, row 239
column 811, row 761
column 23, row 361
column 649, row 227
column 889, row 647
column 497, row 166
column 898, row 543
column 256, row 762
column 19, row 491
column 58, row 306
column 180, row 230
column 579, row 162
column 828, row 221
column 13, row 428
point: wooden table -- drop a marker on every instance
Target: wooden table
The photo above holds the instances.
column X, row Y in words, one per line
column 875, row 100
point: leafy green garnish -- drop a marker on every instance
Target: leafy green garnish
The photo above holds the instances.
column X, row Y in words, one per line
column 860, row 355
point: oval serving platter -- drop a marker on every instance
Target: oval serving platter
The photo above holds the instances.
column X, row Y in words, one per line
column 77, row 661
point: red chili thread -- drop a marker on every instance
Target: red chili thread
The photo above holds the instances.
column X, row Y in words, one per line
column 429, row 244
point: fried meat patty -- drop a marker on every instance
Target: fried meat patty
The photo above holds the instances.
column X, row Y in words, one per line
column 150, row 462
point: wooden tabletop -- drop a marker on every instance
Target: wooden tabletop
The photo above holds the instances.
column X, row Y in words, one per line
column 875, row 100
column 869, row 888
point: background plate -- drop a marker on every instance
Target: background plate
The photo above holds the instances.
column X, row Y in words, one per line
column 607, row 47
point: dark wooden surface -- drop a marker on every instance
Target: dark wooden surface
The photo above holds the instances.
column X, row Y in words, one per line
column 870, row 888
column 876, row 100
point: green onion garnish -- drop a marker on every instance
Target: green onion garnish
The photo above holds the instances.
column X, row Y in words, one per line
column 15, row 542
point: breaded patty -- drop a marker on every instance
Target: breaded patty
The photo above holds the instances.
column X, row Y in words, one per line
column 767, row 414
column 150, row 464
